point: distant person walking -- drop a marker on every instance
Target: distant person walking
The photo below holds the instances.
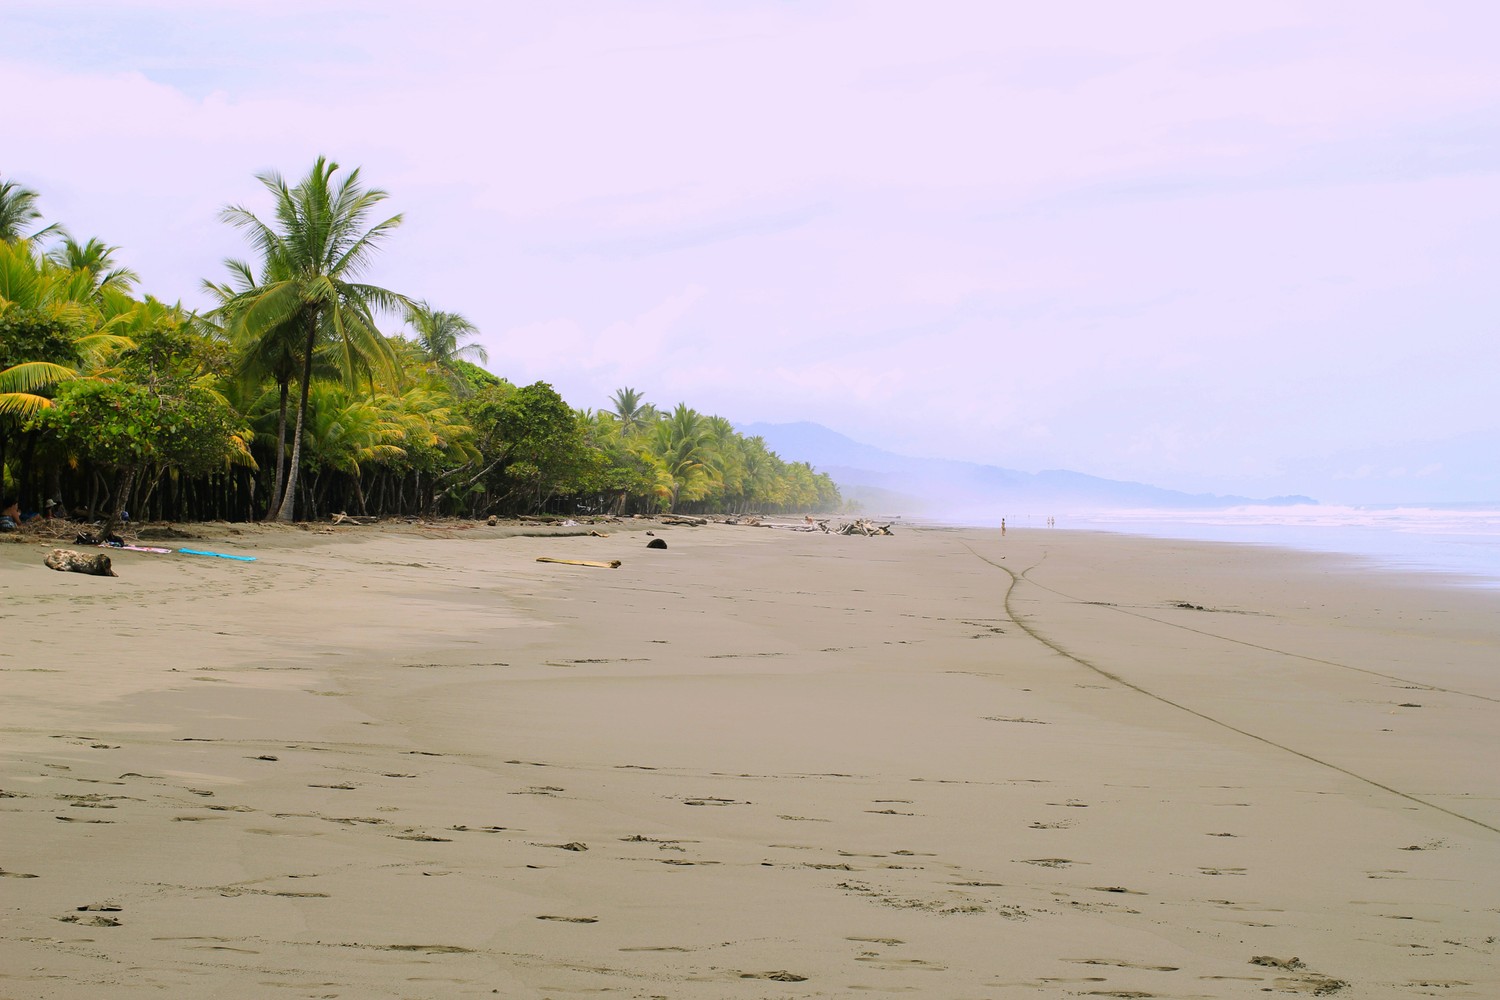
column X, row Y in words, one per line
column 1002, row 527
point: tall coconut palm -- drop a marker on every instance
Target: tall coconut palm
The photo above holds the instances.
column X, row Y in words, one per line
column 320, row 242
column 261, row 354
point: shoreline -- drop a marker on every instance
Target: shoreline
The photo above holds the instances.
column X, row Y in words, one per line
column 1458, row 540
column 756, row 763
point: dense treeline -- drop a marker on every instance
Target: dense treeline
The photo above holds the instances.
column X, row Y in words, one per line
column 287, row 401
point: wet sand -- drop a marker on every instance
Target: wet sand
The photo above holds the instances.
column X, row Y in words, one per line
column 414, row 762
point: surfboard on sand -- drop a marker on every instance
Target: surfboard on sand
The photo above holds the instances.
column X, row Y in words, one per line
column 216, row 555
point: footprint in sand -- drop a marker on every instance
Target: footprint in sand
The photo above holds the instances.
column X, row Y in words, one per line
column 897, row 964
column 1121, row 964
column 539, row 790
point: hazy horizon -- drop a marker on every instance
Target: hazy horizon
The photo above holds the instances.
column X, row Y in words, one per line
column 1227, row 250
column 958, row 515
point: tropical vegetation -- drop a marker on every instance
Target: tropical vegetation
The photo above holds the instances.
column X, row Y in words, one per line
column 308, row 390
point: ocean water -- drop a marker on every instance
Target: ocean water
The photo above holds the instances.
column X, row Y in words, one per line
column 1462, row 540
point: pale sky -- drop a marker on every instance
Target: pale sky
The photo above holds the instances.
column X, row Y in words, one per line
column 1223, row 247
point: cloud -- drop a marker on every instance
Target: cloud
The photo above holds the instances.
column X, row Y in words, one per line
column 1183, row 243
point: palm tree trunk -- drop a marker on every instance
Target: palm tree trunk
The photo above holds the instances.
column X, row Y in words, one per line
column 289, row 498
column 280, row 441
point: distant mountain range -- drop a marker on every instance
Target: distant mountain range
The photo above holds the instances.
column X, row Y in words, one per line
column 884, row 482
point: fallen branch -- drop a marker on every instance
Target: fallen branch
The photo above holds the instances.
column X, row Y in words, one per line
column 612, row 564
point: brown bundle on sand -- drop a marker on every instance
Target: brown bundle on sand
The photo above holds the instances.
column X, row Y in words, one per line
column 68, row 561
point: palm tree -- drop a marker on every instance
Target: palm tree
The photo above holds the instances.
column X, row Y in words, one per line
column 96, row 259
column 269, row 354
column 346, row 432
column 684, row 446
column 728, row 460
column 634, row 412
column 439, row 334
column 17, row 211
column 320, row 243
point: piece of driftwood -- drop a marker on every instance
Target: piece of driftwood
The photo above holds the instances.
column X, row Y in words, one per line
column 342, row 518
column 862, row 527
column 612, row 564
column 68, row 561
column 679, row 519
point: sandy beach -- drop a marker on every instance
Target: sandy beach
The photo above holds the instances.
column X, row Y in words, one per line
column 411, row 761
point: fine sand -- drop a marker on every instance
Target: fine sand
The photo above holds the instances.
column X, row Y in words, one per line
column 414, row 762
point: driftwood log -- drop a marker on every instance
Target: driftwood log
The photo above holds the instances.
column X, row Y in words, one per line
column 694, row 522
column 68, row 561
column 612, row 564
column 867, row 528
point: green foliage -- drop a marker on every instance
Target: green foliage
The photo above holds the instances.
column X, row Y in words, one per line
column 120, row 425
column 28, row 335
column 533, row 441
column 474, row 377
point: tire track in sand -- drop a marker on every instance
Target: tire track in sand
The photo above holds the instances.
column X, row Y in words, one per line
column 1034, row 633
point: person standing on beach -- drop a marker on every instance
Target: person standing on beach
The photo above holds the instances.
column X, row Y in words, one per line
column 1002, row 527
